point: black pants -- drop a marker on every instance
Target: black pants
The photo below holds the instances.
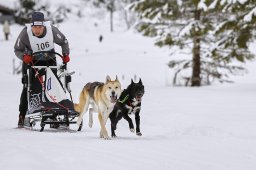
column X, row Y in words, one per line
column 23, row 107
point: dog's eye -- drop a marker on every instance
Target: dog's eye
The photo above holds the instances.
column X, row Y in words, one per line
column 116, row 87
column 109, row 87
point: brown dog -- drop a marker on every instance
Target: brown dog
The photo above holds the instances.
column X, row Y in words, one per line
column 102, row 97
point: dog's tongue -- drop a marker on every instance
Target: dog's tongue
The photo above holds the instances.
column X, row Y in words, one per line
column 113, row 99
column 138, row 98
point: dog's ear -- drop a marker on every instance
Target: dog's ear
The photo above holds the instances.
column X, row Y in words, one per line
column 140, row 82
column 108, row 79
column 132, row 81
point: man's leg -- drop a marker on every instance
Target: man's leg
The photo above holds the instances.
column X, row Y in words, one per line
column 23, row 107
column 23, row 100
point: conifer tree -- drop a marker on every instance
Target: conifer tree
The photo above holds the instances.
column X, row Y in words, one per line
column 213, row 32
column 24, row 11
column 26, row 7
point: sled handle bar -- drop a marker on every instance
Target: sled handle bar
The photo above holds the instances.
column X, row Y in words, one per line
column 40, row 67
column 50, row 52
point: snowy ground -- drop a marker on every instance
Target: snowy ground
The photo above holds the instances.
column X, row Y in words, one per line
column 202, row 128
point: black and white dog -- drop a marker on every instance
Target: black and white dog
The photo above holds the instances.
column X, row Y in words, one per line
column 129, row 102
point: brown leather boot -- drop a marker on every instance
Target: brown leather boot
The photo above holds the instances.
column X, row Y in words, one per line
column 21, row 121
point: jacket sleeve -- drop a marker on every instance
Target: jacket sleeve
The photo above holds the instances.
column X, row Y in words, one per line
column 61, row 40
column 22, row 44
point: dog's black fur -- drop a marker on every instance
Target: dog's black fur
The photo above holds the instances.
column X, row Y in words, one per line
column 129, row 102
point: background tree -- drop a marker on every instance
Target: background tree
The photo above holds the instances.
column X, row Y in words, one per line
column 25, row 9
column 110, row 5
column 119, row 6
column 215, row 33
column 129, row 17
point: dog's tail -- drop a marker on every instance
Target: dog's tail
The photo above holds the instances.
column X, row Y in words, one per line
column 79, row 107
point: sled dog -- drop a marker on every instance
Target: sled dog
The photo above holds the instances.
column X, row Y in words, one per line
column 102, row 97
column 129, row 102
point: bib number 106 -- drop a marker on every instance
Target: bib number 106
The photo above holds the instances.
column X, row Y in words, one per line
column 42, row 46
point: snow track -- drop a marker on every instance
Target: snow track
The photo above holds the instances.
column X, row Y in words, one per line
column 207, row 128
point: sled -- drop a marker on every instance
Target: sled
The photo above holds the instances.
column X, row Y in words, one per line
column 48, row 93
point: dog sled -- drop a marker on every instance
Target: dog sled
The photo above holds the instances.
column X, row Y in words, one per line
column 48, row 93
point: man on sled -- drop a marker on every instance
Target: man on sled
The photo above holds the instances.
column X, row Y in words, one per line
column 38, row 36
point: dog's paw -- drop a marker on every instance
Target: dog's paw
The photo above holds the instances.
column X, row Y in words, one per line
column 107, row 138
column 113, row 136
column 101, row 135
column 139, row 133
column 104, row 136
column 132, row 130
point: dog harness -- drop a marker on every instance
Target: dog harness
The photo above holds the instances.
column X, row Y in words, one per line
column 129, row 103
column 124, row 100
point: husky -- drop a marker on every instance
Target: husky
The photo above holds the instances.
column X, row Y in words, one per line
column 129, row 102
column 102, row 97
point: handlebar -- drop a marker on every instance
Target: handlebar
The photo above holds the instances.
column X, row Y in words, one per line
column 47, row 52
column 50, row 52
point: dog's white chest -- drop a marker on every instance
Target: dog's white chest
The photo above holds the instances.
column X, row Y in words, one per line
column 133, row 108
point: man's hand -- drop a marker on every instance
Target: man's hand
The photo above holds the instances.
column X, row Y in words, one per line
column 27, row 58
column 66, row 59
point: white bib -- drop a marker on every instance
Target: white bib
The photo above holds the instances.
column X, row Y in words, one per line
column 41, row 44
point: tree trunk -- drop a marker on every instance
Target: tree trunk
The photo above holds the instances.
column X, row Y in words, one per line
column 111, row 15
column 111, row 20
column 196, row 80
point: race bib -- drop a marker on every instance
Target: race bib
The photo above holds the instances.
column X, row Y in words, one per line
column 41, row 44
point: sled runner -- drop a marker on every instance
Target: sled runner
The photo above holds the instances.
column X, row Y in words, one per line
column 48, row 93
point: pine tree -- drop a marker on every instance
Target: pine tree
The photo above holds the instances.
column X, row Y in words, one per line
column 213, row 32
column 24, row 11
column 26, row 7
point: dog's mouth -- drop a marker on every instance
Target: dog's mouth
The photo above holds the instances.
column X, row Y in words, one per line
column 138, row 98
column 113, row 98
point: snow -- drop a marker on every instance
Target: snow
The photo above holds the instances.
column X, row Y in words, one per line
column 184, row 128
column 9, row 3
column 213, row 4
column 186, row 30
column 248, row 17
column 202, row 5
